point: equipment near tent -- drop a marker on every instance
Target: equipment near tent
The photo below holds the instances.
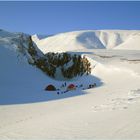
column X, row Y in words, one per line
column 71, row 87
column 50, row 88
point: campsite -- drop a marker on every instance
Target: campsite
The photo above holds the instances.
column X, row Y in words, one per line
column 64, row 89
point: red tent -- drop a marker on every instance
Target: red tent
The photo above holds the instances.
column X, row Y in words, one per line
column 71, row 87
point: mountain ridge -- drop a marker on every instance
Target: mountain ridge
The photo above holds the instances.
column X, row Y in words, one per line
column 87, row 39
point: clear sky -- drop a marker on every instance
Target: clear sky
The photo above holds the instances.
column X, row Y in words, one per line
column 55, row 17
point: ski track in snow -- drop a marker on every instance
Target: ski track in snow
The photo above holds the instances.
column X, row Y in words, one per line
column 119, row 103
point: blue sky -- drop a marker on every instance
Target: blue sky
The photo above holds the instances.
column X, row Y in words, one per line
column 56, row 17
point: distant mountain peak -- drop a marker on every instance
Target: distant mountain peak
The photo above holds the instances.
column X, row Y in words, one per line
column 89, row 39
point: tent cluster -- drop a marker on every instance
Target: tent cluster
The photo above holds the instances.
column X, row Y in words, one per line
column 53, row 88
column 64, row 88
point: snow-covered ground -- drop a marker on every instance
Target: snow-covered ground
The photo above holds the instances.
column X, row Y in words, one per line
column 109, row 111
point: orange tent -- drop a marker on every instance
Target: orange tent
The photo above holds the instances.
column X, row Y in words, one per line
column 50, row 88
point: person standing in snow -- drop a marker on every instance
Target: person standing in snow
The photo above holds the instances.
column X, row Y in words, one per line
column 81, row 85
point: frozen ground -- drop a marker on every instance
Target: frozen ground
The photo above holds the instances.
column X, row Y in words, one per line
column 109, row 111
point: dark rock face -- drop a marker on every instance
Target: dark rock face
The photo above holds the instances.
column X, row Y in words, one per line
column 70, row 65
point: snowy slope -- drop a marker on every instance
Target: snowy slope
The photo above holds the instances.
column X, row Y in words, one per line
column 90, row 39
column 18, row 80
column 133, row 42
column 109, row 111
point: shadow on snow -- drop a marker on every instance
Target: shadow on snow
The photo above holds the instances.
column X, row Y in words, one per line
column 35, row 94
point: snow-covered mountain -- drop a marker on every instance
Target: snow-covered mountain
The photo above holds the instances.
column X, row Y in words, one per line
column 108, row 111
column 90, row 39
